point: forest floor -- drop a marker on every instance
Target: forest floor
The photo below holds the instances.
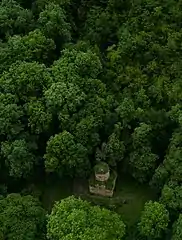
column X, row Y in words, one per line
column 128, row 192
column 135, row 196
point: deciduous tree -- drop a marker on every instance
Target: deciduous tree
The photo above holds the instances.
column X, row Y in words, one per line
column 74, row 218
column 65, row 155
column 21, row 217
column 32, row 47
column 25, row 80
column 14, row 19
column 177, row 229
column 10, row 116
column 39, row 118
column 154, row 220
column 52, row 21
column 18, row 158
column 171, row 196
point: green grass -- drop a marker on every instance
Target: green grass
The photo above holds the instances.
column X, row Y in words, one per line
column 128, row 200
column 55, row 191
column 135, row 196
column 127, row 190
column 52, row 190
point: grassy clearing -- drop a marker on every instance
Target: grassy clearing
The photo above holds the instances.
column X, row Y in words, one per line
column 135, row 195
column 128, row 200
column 55, row 191
column 129, row 197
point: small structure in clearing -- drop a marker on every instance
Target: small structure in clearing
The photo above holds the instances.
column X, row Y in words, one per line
column 103, row 181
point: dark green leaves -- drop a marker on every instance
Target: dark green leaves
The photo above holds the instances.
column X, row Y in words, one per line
column 10, row 116
column 65, row 156
column 154, row 220
column 18, row 158
column 25, row 80
column 21, row 218
column 52, row 21
column 32, row 47
column 14, row 19
column 177, row 229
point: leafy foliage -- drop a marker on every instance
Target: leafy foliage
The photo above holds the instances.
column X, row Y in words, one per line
column 65, row 155
column 14, row 19
column 142, row 160
column 32, row 47
column 86, row 80
column 18, row 158
column 21, row 217
column 177, row 229
column 154, row 220
column 100, row 26
column 75, row 218
column 39, row 119
column 171, row 196
column 25, row 80
column 53, row 23
column 10, row 116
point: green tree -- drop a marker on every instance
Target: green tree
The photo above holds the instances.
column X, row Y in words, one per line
column 171, row 168
column 86, row 131
column 14, row 19
column 65, row 156
column 18, row 158
column 171, row 197
column 32, row 47
column 142, row 160
column 141, row 135
column 100, row 26
column 64, row 99
column 39, row 119
column 115, row 147
column 21, row 218
column 10, row 116
column 52, row 21
column 40, row 5
column 126, row 112
column 77, row 219
column 74, row 63
column 154, row 220
column 75, row 77
column 142, row 163
column 159, row 178
column 177, row 229
column 25, row 80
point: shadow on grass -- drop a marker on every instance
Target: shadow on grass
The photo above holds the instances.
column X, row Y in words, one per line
column 128, row 200
column 134, row 196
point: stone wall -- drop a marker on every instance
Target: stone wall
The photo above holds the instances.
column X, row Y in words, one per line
column 102, row 177
column 101, row 190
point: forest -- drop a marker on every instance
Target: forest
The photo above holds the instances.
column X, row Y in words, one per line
column 83, row 81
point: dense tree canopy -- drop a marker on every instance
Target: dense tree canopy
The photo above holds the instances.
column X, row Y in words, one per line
column 18, row 158
column 32, row 47
column 53, row 23
column 76, row 219
column 65, row 155
column 21, row 217
column 82, row 81
column 10, row 116
column 154, row 220
column 25, row 80
column 177, row 229
column 14, row 19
